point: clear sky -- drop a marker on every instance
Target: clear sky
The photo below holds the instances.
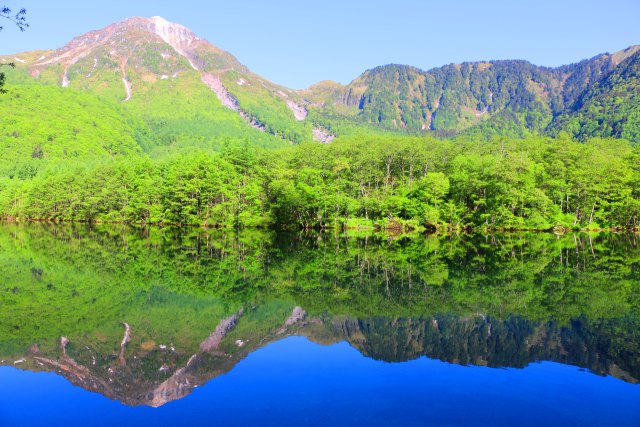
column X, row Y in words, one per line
column 300, row 42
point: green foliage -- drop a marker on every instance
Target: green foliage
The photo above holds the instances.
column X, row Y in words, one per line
column 79, row 278
column 371, row 181
column 198, row 188
column 610, row 108
column 42, row 124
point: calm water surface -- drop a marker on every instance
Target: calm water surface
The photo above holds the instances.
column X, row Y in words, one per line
column 119, row 326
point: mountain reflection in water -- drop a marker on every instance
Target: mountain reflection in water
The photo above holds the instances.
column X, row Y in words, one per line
column 144, row 316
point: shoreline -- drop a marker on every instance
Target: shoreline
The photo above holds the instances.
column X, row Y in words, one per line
column 394, row 229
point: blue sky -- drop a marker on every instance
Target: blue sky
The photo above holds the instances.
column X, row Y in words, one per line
column 298, row 43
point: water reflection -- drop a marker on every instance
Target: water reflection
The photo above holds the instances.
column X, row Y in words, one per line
column 146, row 316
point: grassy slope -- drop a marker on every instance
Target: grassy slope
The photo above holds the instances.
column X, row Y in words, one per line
column 45, row 123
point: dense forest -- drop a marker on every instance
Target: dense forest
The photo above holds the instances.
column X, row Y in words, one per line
column 365, row 181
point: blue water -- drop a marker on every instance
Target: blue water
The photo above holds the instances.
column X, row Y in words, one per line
column 297, row 382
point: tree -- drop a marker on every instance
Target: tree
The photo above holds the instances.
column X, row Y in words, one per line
column 20, row 20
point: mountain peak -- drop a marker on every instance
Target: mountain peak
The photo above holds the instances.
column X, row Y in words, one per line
column 152, row 24
column 154, row 48
column 177, row 36
column 125, row 33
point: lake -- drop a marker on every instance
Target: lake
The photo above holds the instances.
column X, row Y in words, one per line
column 110, row 325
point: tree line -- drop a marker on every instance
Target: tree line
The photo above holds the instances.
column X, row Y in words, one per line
column 362, row 181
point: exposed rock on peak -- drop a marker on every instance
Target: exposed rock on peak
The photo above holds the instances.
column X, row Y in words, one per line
column 153, row 48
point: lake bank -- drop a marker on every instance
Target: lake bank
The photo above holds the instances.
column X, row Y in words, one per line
column 390, row 227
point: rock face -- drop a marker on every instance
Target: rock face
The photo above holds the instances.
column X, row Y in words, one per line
column 214, row 83
column 214, row 340
column 322, row 135
column 299, row 112
column 297, row 316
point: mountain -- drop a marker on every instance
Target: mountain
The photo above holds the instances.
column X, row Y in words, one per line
column 178, row 86
column 179, row 89
column 145, row 122
column 499, row 97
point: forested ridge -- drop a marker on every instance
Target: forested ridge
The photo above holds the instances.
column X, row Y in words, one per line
column 514, row 98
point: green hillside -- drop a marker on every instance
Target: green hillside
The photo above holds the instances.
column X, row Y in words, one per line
column 496, row 98
column 41, row 124
column 186, row 91
column 609, row 108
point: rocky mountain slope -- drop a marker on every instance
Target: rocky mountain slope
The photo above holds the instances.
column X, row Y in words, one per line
column 608, row 108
